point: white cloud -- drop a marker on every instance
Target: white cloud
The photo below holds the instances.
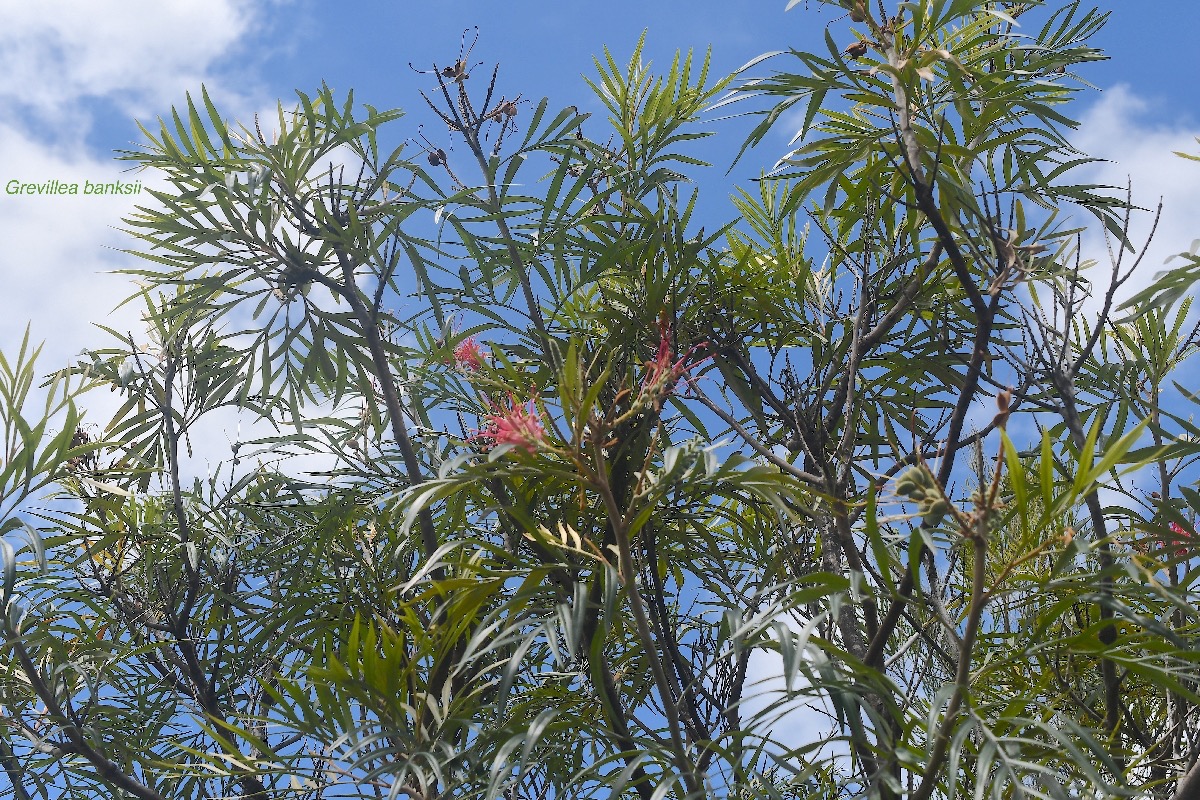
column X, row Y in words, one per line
column 56, row 57
column 63, row 64
column 143, row 54
column 791, row 713
column 58, row 247
column 1137, row 149
column 791, row 721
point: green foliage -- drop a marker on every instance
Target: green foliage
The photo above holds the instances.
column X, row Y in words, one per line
column 617, row 507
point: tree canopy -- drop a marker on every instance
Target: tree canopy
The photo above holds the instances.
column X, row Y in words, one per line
column 881, row 485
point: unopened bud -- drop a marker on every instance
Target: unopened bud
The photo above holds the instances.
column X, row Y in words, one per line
column 1002, row 402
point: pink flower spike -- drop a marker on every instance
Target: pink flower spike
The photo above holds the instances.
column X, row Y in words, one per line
column 661, row 374
column 468, row 355
column 517, row 424
column 1185, row 535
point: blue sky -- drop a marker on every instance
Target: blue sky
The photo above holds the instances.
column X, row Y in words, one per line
column 74, row 74
column 546, row 48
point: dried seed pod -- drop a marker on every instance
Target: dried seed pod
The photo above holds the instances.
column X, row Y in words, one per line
column 506, row 110
column 456, row 73
column 857, row 50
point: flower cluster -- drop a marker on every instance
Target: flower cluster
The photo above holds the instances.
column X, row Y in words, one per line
column 664, row 371
column 1186, row 540
column 468, row 355
column 1181, row 542
column 516, row 424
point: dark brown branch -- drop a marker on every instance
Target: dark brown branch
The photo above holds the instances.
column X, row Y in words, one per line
column 618, row 519
column 683, row 678
column 1189, row 785
column 962, row 675
column 752, row 440
column 15, row 772
column 611, row 698
column 1108, row 630
column 383, row 371
column 106, row 769
column 202, row 685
